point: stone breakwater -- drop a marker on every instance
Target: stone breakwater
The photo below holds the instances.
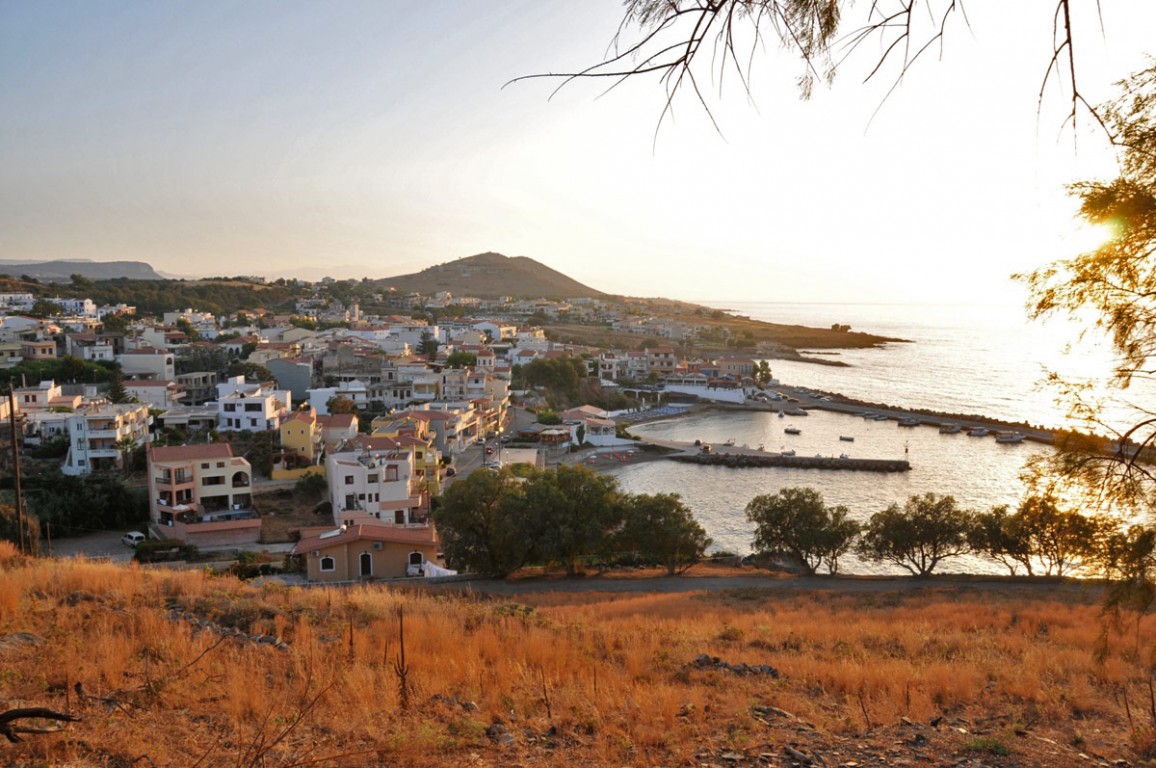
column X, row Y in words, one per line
column 740, row 460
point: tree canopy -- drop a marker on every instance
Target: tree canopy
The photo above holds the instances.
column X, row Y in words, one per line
column 1115, row 286
column 698, row 44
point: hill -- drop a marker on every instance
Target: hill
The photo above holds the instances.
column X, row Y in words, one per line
column 172, row 667
column 489, row 275
column 62, row 271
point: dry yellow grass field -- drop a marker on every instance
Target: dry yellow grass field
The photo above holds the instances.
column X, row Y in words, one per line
column 185, row 668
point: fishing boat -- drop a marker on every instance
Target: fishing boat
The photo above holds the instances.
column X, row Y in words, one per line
column 949, row 429
column 793, row 431
column 787, row 452
column 880, row 417
column 782, row 415
column 908, row 422
column 978, row 432
column 1010, row 437
column 847, row 438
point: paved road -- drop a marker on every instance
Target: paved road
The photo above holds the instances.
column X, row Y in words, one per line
column 756, row 581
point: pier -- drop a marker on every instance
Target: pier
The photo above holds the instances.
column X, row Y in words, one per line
column 740, row 460
column 725, row 455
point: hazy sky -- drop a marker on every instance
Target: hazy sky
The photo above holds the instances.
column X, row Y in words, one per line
column 303, row 138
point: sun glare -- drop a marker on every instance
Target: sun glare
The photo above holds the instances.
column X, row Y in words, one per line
column 1086, row 237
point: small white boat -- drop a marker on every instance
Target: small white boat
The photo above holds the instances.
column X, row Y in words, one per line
column 908, row 422
column 1010, row 437
column 787, row 453
column 844, row 456
column 782, row 415
column 979, row 432
column 880, row 417
column 793, row 431
column 949, row 429
column 847, row 438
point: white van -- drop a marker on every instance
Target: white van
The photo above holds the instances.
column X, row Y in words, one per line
column 132, row 538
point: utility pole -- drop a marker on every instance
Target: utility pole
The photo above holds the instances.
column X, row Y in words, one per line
column 19, row 497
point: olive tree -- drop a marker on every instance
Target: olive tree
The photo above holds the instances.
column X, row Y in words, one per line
column 481, row 525
column 919, row 535
column 796, row 523
column 660, row 528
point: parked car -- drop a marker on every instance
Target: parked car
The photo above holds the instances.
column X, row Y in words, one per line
column 489, row 451
column 450, row 471
column 132, row 538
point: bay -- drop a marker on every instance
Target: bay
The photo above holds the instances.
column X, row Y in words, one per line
column 960, row 358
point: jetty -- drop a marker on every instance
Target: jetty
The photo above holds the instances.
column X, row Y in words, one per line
column 728, row 455
column 740, row 460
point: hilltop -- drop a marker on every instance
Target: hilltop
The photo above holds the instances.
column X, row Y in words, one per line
column 490, row 275
column 62, row 271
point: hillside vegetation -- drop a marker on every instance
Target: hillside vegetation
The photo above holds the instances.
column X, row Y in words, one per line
column 490, row 275
column 184, row 668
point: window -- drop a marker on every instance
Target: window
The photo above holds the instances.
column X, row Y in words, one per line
column 328, row 564
column 220, row 464
column 205, row 465
column 349, row 479
column 391, row 473
column 371, row 479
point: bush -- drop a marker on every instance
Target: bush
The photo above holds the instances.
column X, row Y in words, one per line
column 163, row 551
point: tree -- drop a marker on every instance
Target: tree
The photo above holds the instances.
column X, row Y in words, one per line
column 251, row 371
column 688, row 43
column 340, row 404
column 660, row 528
column 574, row 510
column 1114, row 285
column 998, row 536
column 116, row 390
column 919, row 535
column 795, row 522
column 461, row 360
column 763, row 373
column 481, row 525
column 428, row 346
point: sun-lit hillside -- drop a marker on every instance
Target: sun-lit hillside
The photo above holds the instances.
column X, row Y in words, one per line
column 183, row 668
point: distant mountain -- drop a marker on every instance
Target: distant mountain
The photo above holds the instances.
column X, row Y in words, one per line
column 62, row 271
column 489, row 275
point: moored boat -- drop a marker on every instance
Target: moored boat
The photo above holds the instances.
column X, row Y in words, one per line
column 978, row 432
column 1010, row 437
column 793, row 431
column 949, row 429
column 909, row 422
column 847, row 438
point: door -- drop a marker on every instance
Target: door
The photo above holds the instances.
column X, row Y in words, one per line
column 366, row 565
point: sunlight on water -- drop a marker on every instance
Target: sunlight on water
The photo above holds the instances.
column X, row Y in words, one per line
column 979, row 472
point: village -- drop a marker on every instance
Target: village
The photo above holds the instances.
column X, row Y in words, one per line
column 383, row 411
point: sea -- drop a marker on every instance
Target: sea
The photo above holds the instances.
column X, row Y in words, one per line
column 982, row 359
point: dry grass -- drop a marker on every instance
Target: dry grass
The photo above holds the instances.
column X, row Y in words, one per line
column 576, row 679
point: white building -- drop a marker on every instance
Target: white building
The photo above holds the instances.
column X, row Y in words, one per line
column 255, row 407
column 100, row 434
column 372, row 481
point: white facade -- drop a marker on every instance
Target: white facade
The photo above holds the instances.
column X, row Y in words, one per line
column 148, row 364
column 375, row 487
column 99, row 435
column 242, row 406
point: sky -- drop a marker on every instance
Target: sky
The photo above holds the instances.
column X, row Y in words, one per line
column 302, row 138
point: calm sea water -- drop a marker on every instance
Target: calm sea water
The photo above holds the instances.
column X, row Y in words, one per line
column 971, row 359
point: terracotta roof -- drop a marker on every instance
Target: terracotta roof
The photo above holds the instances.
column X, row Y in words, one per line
column 191, row 452
column 361, row 532
column 337, row 420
